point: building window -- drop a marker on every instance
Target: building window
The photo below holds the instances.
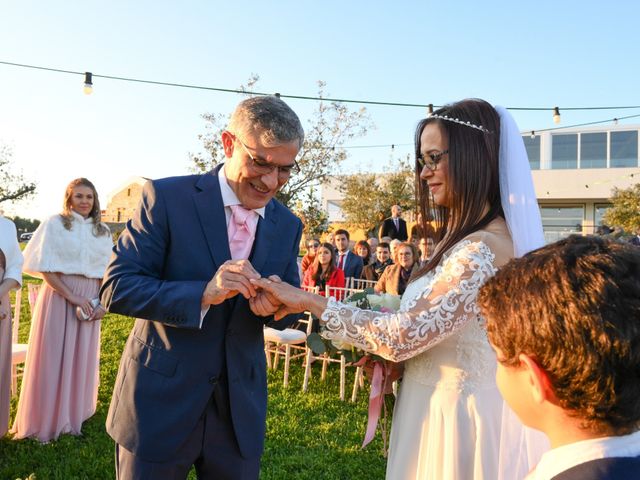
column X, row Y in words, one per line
column 600, row 210
column 593, row 150
column 128, row 192
column 624, row 149
column 564, row 151
column 561, row 221
column 533, row 150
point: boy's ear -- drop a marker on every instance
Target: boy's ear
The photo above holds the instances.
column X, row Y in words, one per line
column 541, row 387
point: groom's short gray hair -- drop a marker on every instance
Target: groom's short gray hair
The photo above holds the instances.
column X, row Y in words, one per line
column 268, row 117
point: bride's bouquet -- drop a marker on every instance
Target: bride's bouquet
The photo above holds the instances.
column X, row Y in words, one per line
column 380, row 372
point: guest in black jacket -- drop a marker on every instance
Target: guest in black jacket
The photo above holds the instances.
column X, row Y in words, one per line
column 394, row 226
column 374, row 270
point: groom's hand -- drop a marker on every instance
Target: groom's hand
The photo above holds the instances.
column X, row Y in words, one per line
column 232, row 278
column 264, row 304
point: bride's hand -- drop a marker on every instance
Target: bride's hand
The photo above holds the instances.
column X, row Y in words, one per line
column 291, row 298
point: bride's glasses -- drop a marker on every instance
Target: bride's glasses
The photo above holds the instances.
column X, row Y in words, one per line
column 431, row 160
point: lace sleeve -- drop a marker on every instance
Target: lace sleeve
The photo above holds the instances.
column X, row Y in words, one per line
column 441, row 307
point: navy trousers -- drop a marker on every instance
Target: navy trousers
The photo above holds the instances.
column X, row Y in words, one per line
column 212, row 448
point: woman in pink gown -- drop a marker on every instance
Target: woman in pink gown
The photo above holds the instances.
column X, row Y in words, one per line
column 10, row 279
column 69, row 251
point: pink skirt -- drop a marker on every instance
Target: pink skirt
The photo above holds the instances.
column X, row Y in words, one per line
column 60, row 384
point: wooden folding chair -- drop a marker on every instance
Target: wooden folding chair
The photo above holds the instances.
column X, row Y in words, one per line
column 18, row 350
column 339, row 293
column 361, row 283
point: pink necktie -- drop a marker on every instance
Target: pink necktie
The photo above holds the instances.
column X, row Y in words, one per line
column 241, row 231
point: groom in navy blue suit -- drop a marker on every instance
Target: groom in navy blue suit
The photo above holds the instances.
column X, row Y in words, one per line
column 191, row 387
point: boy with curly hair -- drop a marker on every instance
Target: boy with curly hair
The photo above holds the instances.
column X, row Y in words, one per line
column 564, row 321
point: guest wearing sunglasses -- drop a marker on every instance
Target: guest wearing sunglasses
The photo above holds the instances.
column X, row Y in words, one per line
column 312, row 248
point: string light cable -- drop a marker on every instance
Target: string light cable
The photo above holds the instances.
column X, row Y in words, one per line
column 429, row 106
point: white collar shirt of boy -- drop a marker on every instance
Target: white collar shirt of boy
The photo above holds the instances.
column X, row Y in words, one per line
column 563, row 458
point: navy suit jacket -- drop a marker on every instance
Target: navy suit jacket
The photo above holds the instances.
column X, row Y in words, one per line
column 614, row 468
column 170, row 366
column 353, row 265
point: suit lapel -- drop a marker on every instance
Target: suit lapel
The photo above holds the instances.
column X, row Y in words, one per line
column 208, row 202
column 265, row 236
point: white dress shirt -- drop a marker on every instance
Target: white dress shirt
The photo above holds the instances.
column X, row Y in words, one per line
column 565, row 457
column 229, row 197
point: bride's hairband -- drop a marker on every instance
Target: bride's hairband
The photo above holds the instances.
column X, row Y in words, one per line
column 461, row 122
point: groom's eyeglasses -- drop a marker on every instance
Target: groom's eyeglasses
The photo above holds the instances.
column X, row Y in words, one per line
column 263, row 167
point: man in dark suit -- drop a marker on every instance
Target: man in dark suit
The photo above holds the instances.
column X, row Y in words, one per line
column 191, row 388
column 350, row 263
column 394, row 227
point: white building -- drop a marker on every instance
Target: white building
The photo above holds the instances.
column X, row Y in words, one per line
column 574, row 172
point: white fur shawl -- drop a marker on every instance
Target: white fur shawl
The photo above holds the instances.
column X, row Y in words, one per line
column 53, row 248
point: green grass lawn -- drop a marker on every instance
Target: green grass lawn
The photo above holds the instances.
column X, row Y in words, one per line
column 310, row 435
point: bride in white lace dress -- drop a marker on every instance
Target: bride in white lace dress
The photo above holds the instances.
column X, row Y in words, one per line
column 447, row 423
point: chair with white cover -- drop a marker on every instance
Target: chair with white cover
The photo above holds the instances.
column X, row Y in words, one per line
column 288, row 338
column 18, row 350
column 292, row 341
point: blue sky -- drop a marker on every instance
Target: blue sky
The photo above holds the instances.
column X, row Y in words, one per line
column 546, row 53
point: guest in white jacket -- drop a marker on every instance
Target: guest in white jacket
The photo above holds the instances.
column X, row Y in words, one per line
column 69, row 251
column 10, row 279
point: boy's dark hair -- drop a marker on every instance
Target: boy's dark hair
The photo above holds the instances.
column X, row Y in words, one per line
column 341, row 231
column 384, row 245
column 574, row 307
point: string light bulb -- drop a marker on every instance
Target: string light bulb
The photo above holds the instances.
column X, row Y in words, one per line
column 88, row 84
column 615, row 121
column 430, row 108
column 533, row 134
column 556, row 115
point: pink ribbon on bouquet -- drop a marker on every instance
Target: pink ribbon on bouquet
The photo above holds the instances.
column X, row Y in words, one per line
column 376, row 397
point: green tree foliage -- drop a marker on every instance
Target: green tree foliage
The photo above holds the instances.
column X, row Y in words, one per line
column 24, row 225
column 625, row 212
column 331, row 125
column 363, row 204
column 12, row 185
column 368, row 197
column 309, row 210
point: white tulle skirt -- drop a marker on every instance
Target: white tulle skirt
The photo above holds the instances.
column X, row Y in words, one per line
column 443, row 434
